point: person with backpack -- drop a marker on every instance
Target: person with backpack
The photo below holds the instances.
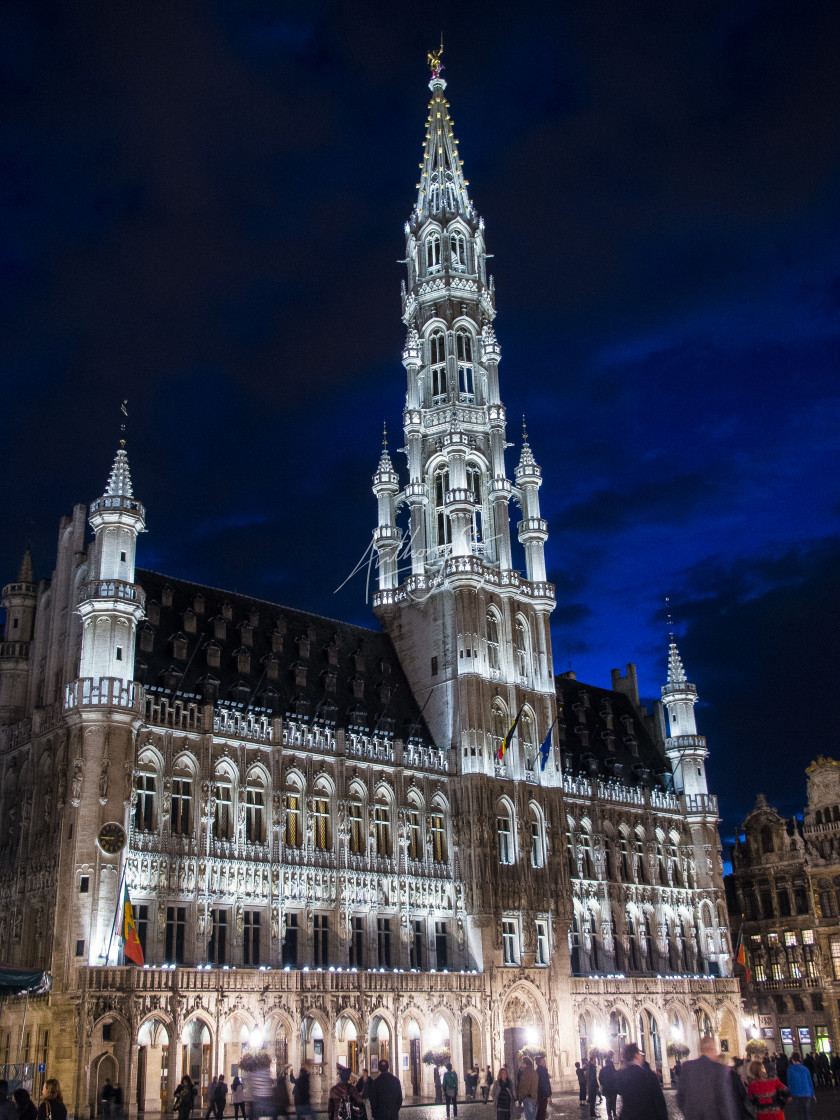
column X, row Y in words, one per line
column 345, row 1101
column 450, row 1090
column 237, row 1097
column 302, row 1094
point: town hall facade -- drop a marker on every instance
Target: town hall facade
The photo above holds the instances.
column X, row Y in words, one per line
column 333, row 844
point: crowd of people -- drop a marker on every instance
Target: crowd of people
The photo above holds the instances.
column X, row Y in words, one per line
column 711, row 1087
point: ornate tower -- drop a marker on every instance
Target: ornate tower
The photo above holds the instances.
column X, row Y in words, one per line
column 20, row 600
column 685, row 748
column 471, row 631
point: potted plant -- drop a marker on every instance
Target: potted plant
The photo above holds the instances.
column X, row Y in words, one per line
column 756, row 1049
column 532, row 1052
column 254, row 1059
column 437, row 1056
column 678, row 1050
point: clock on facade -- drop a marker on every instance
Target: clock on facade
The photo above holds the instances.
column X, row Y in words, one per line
column 111, row 839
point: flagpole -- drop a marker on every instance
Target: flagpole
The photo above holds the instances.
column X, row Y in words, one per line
column 116, row 911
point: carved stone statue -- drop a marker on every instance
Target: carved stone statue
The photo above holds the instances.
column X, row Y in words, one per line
column 104, row 780
column 76, row 785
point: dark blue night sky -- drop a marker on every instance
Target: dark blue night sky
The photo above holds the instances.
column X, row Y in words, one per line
column 202, row 211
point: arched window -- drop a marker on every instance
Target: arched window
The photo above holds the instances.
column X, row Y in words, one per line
column 443, row 526
column 355, row 822
column 321, row 820
column 255, row 809
column 144, row 809
column 382, row 828
column 595, row 948
column 181, row 804
column 649, row 945
column 624, row 858
column 450, row 194
column 474, row 486
column 437, row 829
column 433, row 253
column 466, row 370
column 641, row 857
column 676, row 866
column 223, row 817
column 504, row 832
column 437, row 366
column 493, row 646
column 537, row 838
column 633, row 942
column 458, row 251
column 294, row 818
column 415, row 835
column 585, row 851
column 522, row 648
column 434, row 192
column 766, row 840
column 528, row 738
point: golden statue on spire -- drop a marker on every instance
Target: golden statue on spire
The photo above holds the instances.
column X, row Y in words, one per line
column 433, row 58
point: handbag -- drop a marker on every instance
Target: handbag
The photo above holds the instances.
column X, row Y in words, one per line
column 782, row 1097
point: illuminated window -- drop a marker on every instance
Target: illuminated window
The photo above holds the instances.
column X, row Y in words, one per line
column 382, row 828
column 321, row 822
column 807, row 937
column 437, row 826
column 254, row 814
column 354, row 817
column 442, row 524
column 790, row 939
column 415, row 842
column 522, row 647
column 294, row 821
column 509, row 941
column 433, row 252
column 835, row 956
column 223, row 819
column 542, row 942
column 458, row 251
column 144, row 810
column 181, row 802
column 493, row 659
column 466, row 370
column 505, row 835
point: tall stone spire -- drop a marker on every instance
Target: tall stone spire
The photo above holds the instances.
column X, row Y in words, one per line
column 442, row 187
column 25, row 573
column 676, row 672
column 684, row 747
column 119, row 480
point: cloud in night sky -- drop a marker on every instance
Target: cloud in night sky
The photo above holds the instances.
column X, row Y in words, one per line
column 202, row 211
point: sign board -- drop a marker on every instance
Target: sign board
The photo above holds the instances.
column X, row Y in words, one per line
column 42, row 1067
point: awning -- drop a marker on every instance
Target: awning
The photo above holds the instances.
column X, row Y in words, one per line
column 19, row 981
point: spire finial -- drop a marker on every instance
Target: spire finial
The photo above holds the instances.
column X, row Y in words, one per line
column 124, row 411
column 433, row 58
column 524, row 429
column 385, row 434
column 669, row 617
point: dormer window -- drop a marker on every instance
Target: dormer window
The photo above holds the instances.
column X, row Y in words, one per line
column 198, row 604
column 166, row 596
column 219, row 629
column 247, row 634
column 179, row 648
column 227, row 611
column 243, row 660
column 213, row 655
column 189, row 621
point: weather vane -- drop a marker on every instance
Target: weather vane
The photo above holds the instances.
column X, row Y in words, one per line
column 669, row 616
column 434, row 61
column 385, row 434
column 124, row 411
column 524, row 429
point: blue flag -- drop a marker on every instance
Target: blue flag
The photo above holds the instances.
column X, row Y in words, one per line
column 545, row 749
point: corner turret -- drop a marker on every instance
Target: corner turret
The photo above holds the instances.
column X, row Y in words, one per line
column 684, row 747
column 20, row 600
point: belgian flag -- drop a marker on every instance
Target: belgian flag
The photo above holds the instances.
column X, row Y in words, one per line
column 131, row 942
column 509, row 737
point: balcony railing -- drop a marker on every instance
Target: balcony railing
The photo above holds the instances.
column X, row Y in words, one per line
column 102, row 692
column 113, row 589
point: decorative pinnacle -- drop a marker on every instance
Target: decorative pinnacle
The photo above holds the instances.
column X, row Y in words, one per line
column 25, row 573
column 124, row 411
column 676, row 672
column 385, row 434
column 119, row 480
column 524, row 430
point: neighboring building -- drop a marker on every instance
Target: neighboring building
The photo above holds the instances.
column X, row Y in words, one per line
column 785, row 895
column 321, row 844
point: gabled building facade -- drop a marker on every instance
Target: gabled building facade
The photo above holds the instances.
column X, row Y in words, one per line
column 784, row 899
column 346, row 843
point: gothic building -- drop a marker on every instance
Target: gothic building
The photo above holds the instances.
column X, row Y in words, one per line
column 785, row 900
column 327, row 849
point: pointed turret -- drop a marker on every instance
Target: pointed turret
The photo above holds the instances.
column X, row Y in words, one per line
column 111, row 604
column 20, row 600
column 684, row 747
column 533, row 530
column 386, row 536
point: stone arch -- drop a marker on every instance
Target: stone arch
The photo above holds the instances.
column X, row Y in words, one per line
column 652, row 1038
column 103, row 1066
column 199, row 1038
column 524, row 1020
column 381, row 1041
column 349, row 1037
column 155, row 1055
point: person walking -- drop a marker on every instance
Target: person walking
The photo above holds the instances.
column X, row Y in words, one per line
column 503, row 1095
column 782, row 1064
column 606, row 1079
column 363, row 1086
column 764, row 1091
column 449, row 1084
column 801, row 1086
column 52, row 1103
column 641, row 1093
column 237, row 1097
column 834, row 1066
column 386, row 1094
column 185, row 1098
column 211, row 1099
column 8, row 1109
column 705, row 1090
column 282, row 1100
column 543, row 1088
column 580, row 1073
column 487, row 1085
column 438, row 1086
column 527, row 1090
column 107, row 1097
column 592, row 1085
column 302, row 1093
column 743, row 1106
column 221, row 1096
column 26, row 1110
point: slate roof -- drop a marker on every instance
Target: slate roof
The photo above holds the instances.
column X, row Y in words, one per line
column 212, row 646
column 601, row 732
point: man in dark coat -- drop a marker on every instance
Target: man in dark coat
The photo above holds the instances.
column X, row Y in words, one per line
column 385, row 1094
column 301, row 1093
column 781, row 1068
column 581, row 1076
column 543, row 1088
column 641, row 1093
column 705, row 1091
column 592, row 1085
column 606, row 1079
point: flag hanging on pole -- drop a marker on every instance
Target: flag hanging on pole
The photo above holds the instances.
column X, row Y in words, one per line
column 508, row 738
column 131, row 942
column 545, row 749
column 741, row 955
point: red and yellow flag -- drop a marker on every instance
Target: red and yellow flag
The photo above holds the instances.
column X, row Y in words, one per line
column 503, row 746
column 131, row 942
